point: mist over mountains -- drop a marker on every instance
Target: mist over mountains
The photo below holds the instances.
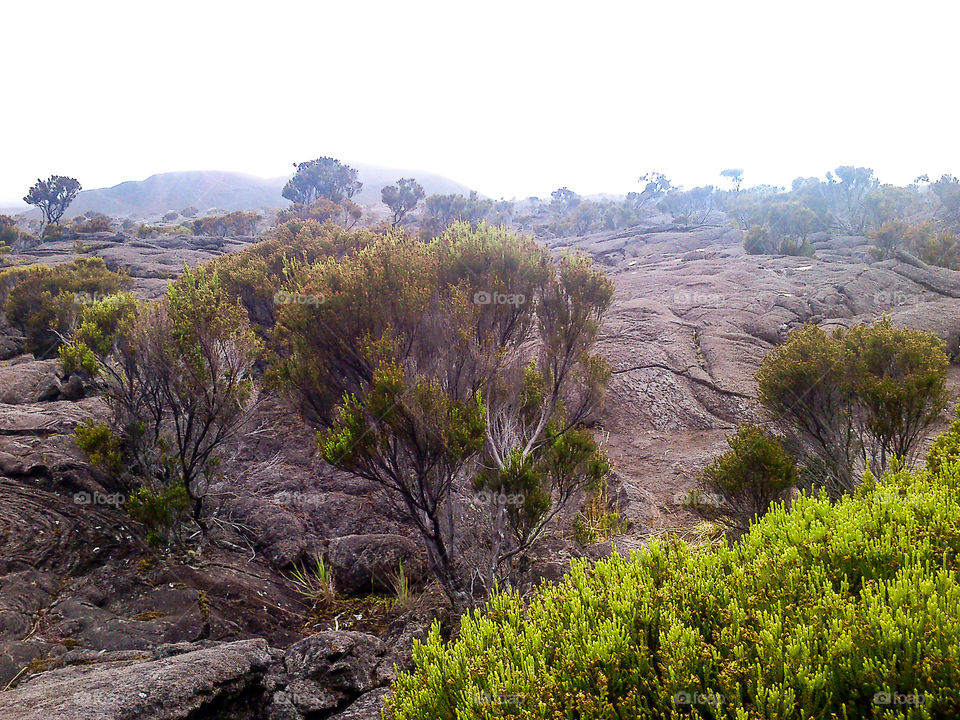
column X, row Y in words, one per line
column 228, row 191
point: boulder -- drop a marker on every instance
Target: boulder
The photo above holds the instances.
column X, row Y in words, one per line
column 224, row 681
column 366, row 563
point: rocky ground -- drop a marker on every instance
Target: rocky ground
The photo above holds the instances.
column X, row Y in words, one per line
column 94, row 624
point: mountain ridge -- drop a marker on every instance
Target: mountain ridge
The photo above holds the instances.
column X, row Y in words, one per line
column 228, row 191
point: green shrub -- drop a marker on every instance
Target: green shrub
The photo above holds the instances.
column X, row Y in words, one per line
column 256, row 274
column 94, row 224
column 599, row 520
column 161, row 512
column 101, row 446
column 811, row 614
column 854, row 398
column 176, row 377
column 44, row 302
column 946, row 448
column 752, row 474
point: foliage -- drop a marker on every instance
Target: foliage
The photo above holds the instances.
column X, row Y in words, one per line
column 854, row 398
column 690, row 208
column 440, row 211
column 946, row 448
column 431, row 366
column 402, row 197
column 92, row 224
column 233, row 224
column 827, row 610
column 177, row 379
column 9, row 233
column 44, row 302
column 322, row 178
column 598, row 521
column 755, row 472
column 260, row 272
column 734, row 175
column 924, row 240
column 101, row 446
column 53, row 196
column 162, row 512
column 315, row 582
column 346, row 212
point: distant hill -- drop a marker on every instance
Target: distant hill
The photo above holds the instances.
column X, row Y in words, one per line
column 231, row 191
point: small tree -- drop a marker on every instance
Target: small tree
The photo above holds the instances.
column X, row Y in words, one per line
column 734, row 175
column 456, row 375
column 322, row 178
column 177, row 377
column 753, row 473
column 402, row 197
column 854, row 398
column 53, row 196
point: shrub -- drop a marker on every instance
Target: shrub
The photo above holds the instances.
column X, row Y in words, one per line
column 94, row 224
column 924, row 240
column 430, row 365
column 162, row 512
column 346, row 212
column 9, row 233
column 755, row 472
column 44, row 302
column 856, row 398
column 822, row 611
column 235, row 223
column 599, row 520
column 171, row 216
column 101, row 446
column 176, row 377
column 256, row 274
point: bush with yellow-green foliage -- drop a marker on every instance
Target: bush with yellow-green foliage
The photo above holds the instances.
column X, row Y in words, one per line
column 428, row 367
column 44, row 302
column 755, row 472
column 258, row 273
column 847, row 609
column 162, row 511
column 177, row 378
column 101, row 445
column 932, row 244
column 854, row 398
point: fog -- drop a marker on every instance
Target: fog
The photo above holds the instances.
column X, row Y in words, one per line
column 510, row 99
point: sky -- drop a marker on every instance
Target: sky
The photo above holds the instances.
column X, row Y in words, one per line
column 511, row 98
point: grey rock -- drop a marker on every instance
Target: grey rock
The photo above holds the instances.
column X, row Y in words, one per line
column 365, row 563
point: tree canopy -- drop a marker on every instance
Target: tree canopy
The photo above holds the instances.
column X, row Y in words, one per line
column 53, row 196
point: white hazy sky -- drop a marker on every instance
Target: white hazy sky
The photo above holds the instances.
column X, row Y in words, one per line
column 512, row 98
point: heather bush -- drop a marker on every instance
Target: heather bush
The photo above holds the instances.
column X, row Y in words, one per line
column 44, row 302
column 448, row 369
column 752, row 474
column 854, row 398
column 847, row 609
column 176, row 376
